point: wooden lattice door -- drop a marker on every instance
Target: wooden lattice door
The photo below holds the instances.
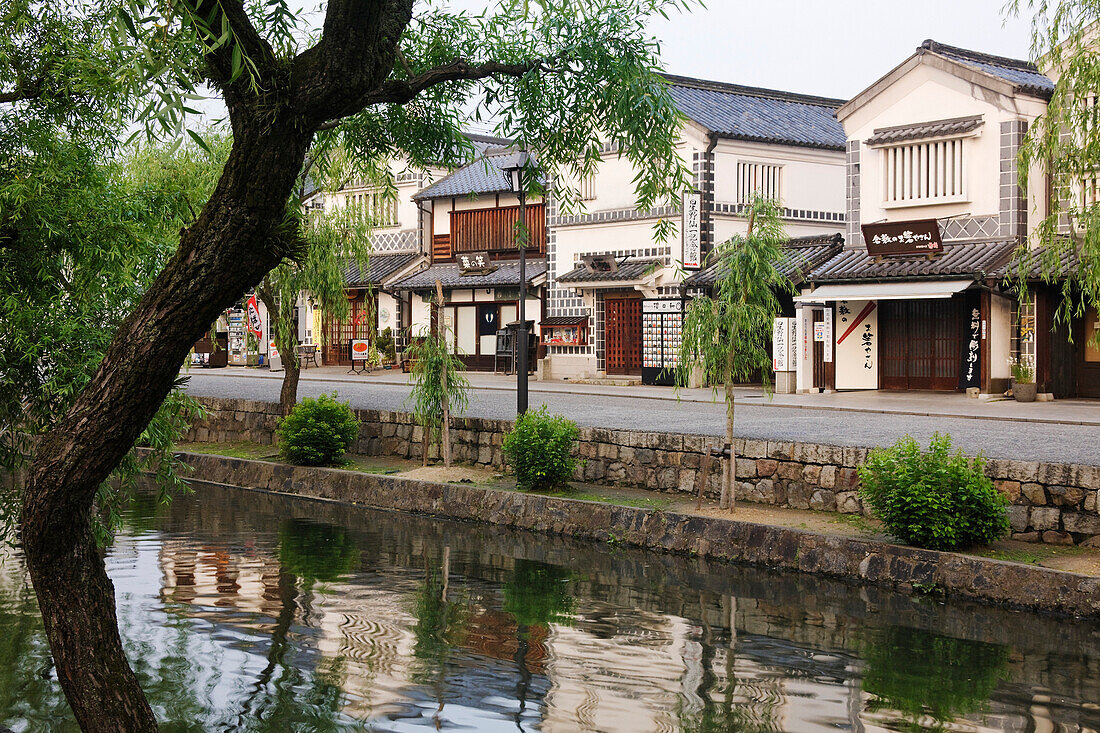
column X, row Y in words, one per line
column 920, row 346
column 623, row 335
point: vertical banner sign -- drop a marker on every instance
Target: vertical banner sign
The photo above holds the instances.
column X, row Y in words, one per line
column 254, row 322
column 780, row 344
column 828, row 334
column 691, row 230
column 970, row 375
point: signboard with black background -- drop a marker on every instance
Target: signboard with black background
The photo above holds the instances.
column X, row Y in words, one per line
column 488, row 319
column 903, row 238
column 970, row 368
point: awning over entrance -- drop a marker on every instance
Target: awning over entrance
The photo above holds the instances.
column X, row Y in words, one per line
column 911, row 290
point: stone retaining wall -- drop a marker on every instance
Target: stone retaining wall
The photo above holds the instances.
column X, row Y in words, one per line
column 873, row 563
column 1050, row 502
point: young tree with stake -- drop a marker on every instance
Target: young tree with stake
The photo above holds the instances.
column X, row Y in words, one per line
column 725, row 334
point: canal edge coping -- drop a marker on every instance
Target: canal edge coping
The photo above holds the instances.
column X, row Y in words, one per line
column 907, row 569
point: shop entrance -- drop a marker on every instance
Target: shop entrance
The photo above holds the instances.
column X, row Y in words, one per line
column 623, row 333
column 1088, row 365
column 920, row 343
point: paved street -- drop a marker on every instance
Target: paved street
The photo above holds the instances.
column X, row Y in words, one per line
column 848, row 423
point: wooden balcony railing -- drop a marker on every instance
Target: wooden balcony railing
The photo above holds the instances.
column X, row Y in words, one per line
column 493, row 230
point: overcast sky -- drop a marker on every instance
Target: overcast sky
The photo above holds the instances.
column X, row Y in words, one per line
column 834, row 48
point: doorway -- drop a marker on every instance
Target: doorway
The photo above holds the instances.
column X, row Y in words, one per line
column 1088, row 365
column 920, row 344
column 623, row 333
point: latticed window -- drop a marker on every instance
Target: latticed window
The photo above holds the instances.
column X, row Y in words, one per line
column 926, row 172
column 380, row 206
column 763, row 179
column 587, row 187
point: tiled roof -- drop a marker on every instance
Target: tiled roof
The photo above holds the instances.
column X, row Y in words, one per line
column 1024, row 75
column 1049, row 265
column 976, row 260
column 759, row 115
column 628, row 271
column 482, row 176
column 924, row 130
column 800, row 255
column 487, row 143
column 379, row 268
column 451, row 277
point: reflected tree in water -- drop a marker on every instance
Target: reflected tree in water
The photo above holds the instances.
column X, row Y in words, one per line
column 316, row 551
column 929, row 677
column 537, row 594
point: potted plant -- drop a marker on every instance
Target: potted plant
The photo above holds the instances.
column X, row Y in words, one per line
column 1023, row 381
column 252, row 348
column 387, row 347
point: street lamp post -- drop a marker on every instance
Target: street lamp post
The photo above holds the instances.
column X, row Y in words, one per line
column 515, row 166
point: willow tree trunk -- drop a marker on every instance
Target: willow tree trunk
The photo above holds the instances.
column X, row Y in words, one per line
column 286, row 341
column 226, row 251
column 729, row 484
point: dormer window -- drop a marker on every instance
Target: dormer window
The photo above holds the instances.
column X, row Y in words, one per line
column 925, row 163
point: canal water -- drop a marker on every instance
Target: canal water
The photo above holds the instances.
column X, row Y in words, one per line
column 246, row 611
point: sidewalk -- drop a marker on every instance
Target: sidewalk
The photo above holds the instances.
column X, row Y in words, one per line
column 924, row 404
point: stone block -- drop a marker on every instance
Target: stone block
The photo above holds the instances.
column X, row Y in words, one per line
column 587, row 450
column 752, row 448
column 626, row 454
column 790, row 470
column 1069, row 497
column 848, row 502
column 616, row 471
column 1026, row 536
column 823, row 500
column 1057, row 538
column 1088, row 477
column 746, row 468
column 780, row 449
column 766, row 467
column 485, row 455
column 664, row 479
column 764, row 491
column 1081, row 523
column 847, row 479
column 607, row 450
column 687, row 482
column 644, row 455
column 695, row 443
column 811, row 475
column 827, row 479
column 1057, row 473
column 1045, row 518
column 1018, row 518
column 1091, row 542
column 1035, row 494
column 1022, row 471
column 1010, row 489
column 1090, row 504
column 798, row 495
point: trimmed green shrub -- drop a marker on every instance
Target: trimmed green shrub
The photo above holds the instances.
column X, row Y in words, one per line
column 933, row 499
column 540, row 449
column 317, row 431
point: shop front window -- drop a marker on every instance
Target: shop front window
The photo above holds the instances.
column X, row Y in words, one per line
column 1092, row 334
column 1023, row 332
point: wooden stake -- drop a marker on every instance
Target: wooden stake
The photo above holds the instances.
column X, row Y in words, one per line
column 703, row 479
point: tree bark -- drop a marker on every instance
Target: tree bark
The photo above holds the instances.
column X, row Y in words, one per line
column 446, row 434
column 729, row 488
column 287, row 344
column 225, row 252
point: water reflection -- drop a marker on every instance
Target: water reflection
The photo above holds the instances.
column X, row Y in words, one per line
column 249, row 612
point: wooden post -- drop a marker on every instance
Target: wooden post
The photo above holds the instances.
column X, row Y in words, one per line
column 446, row 437
column 703, row 479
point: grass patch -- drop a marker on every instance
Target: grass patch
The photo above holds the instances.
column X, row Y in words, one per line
column 237, row 449
column 635, row 502
column 1030, row 556
column 857, row 522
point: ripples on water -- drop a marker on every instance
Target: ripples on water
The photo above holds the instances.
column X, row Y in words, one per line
column 250, row 612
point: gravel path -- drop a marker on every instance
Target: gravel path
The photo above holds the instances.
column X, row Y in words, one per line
column 996, row 438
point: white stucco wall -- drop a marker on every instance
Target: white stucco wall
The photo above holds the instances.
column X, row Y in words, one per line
column 811, row 179
column 1000, row 337
column 926, row 93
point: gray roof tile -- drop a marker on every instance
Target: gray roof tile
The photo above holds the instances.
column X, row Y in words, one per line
column 482, row 176
column 759, row 115
column 924, row 130
column 973, row 260
column 1024, row 75
column 1042, row 265
column 627, row 271
column 799, row 255
column 451, row 277
column 379, row 268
